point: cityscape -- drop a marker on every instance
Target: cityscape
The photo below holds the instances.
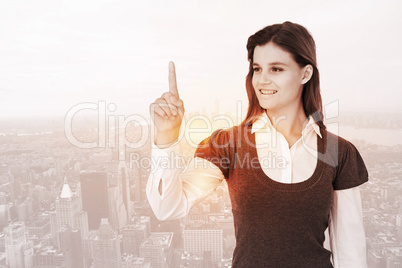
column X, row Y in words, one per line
column 64, row 205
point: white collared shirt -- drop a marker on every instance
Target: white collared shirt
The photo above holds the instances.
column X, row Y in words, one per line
column 277, row 160
column 180, row 191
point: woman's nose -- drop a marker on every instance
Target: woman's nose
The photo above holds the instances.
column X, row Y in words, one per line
column 265, row 78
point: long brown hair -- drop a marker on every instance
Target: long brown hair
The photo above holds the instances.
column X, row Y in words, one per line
column 296, row 40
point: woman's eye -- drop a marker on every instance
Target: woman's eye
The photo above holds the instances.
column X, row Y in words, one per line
column 275, row 70
column 256, row 69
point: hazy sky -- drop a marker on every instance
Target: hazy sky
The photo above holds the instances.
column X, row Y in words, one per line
column 56, row 54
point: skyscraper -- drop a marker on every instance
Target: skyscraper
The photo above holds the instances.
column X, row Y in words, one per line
column 117, row 210
column 157, row 249
column 135, row 234
column 102, row 197
column 138, row 184
column 70, row 244
column 69, row 211
column 19, row 252
column 124, row 182
column 106, row 247
column 48, row 256
column 94, row 192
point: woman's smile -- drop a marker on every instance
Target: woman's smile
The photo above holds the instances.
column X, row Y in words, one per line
column 268, row 92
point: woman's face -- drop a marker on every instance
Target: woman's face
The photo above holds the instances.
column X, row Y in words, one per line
column 277, row 80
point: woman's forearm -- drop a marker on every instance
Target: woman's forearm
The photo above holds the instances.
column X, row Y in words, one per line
column 172, row 191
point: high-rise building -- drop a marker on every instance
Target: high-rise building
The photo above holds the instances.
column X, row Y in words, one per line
column 138, row 185
column 124, row 182
column 70, row 244
column 48, row 256
column 157, row 249
column 4, row 214
column 19, row 251
column 134, row 262
column 2, row 242
column 102, row 197
column 94, row 192
column 117, row 210
column 200, row 239
column 87, row 247
column 106, row 247
column 69, row 211
column 38, row 228
column 134, row 234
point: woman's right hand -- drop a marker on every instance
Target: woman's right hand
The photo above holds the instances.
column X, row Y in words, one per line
column 167, row 113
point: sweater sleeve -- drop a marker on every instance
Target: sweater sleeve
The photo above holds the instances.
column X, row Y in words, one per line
column 351, row 170
column 217, row 150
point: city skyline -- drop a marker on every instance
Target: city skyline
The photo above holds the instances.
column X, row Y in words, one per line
column 46, row 182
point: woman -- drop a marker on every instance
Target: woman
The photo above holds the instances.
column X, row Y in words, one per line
column 281, row 211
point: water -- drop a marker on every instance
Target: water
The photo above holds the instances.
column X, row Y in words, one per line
column 379, row 136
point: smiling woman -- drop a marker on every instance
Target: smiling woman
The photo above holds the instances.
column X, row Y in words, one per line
column 278, row 81
column 280, row 211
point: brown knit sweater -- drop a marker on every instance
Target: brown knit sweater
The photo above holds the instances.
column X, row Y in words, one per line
column 279, row 224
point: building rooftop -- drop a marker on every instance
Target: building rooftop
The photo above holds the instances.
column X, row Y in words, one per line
column 66, row 190
column 159, row 238
column 202, row 226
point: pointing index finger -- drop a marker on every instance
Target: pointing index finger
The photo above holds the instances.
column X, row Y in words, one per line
column 172, row 80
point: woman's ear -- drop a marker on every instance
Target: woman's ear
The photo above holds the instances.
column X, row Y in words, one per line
column 307, row 73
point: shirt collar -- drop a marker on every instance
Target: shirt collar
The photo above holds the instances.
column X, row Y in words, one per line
column 263, row 121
